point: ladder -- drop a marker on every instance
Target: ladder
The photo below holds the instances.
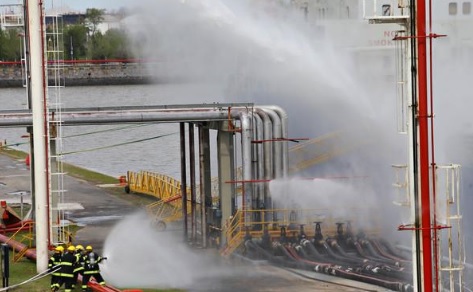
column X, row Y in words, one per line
column 55, row 71
column 450, row 247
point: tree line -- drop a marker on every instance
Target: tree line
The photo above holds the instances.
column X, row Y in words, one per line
column 80, row 41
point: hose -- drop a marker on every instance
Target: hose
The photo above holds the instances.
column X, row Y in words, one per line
column 32, row 279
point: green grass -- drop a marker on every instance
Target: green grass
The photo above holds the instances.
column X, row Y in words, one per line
column 13, row 153
column 23, row 270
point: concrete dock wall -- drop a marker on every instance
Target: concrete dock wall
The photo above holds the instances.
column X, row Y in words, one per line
column 83, row 74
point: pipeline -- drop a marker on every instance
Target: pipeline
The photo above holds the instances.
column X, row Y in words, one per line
column 17, row 246
column 373, row 266
column 350, row 273
column 22, row 225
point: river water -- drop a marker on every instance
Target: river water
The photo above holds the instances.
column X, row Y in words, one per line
column 96, row 147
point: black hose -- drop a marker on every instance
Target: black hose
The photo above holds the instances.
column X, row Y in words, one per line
column 345, row 260
column 347, row 266
column 391, row 250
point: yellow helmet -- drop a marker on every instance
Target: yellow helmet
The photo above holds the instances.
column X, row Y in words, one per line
column 71, row 248
column 79, row 247
column 59, row 249
column 88, row 247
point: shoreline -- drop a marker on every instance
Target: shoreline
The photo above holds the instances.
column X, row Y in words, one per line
column 83, row 74
column 18, row 83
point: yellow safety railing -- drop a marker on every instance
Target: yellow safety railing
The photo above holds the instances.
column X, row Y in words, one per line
column 154, row 184
column 243, row 223
column 26, row 239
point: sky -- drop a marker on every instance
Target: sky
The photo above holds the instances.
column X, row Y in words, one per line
column 79, row 5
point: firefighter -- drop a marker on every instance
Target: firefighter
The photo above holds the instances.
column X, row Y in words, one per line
column 55, row 263
column 91, row 267
column 79, row 268
column 68, row 264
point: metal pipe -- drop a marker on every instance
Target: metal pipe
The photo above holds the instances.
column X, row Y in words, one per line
column 246, row 159
column 258, row 161
column 284, row 134
column 277, row 147
column 192, row 180
column 267, row 147
column 423, row 159
column 413, row 154
column 203, row 218
column 24, row 118
column 267, row 153
column 436, row 250
column 205, row 181
column 18, row 246
column 182, row 136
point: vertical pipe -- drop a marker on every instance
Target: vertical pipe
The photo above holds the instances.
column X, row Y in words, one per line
column 246, row 136
column 414, row 150
column 205, row 180
column 258, row 162
column 183, row 176
column 38, row 82
column 284, row 134
column 424, row 146
column 192, row 180
column 277, row 147
column 267, row 153
column 226, row 172
column 411, row 166
column 433, row 165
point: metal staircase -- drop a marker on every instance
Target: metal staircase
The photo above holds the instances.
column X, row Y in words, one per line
column 27, row 239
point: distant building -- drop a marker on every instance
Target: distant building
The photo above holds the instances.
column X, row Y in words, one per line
column 67, row 19
column 110, row 21
column 11, row 16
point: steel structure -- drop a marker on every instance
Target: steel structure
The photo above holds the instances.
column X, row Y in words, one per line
column 205, row 117
column 415, row 118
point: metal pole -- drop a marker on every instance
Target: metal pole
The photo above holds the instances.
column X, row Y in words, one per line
column 183, row 177
column 423, row 159
column 38, row 90
column 21, row 206
column 205, row 181
column 5, row 264
column 192, row 179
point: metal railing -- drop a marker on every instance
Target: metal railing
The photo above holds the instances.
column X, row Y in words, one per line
column 291, row 222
